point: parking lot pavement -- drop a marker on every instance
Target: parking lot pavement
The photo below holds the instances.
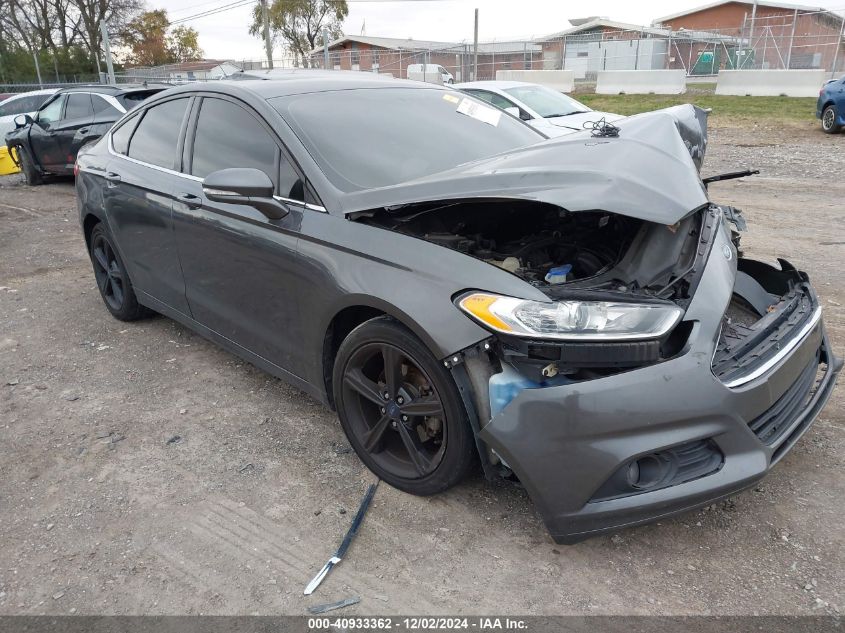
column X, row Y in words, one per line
column 143, row 470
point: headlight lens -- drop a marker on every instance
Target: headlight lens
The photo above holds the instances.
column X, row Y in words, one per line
column 571, row 320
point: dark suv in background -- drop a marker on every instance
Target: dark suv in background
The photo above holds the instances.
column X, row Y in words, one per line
column 48, row 142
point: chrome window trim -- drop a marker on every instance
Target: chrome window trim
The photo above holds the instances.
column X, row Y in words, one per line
column 787, row 349
column 150, row 165
column 307, row 205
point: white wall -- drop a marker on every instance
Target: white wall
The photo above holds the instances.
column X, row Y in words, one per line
column 639, row 82
column 770, row 83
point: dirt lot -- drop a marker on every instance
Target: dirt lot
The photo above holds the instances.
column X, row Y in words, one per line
column 143, row 470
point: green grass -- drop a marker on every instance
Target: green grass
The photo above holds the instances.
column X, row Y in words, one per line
column 727, row 111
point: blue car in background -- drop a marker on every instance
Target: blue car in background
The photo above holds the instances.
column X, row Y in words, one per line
column 831, row 106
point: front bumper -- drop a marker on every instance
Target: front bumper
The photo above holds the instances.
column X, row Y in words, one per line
column 565, row 442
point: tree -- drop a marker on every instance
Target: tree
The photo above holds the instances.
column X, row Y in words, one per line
column 184, row 45
column 64, row 34
column 300, row 23
column 59, row 28
column 150, row 44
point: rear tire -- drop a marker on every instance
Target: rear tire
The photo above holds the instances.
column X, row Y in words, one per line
column 408, row 425
column 829, row 120
column 112, row 279
column 31, row 174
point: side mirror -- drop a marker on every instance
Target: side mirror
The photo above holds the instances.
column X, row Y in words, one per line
column 513, row 111
column 240, row 185
column 22, row 120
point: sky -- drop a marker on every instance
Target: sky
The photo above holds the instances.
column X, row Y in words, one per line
column 225, row 35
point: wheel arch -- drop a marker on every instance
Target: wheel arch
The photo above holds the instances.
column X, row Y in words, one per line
column 357, row 310
column 88, row 223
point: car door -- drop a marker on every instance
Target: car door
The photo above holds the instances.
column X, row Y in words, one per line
column 43, row 141
column 240, row 266
column 77, row 118
column 142, row 178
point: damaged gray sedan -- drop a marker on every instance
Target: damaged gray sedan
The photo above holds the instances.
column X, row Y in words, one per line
column 573, row 313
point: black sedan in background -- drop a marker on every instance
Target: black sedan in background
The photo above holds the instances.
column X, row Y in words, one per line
column 573, row 312
column 48, row 142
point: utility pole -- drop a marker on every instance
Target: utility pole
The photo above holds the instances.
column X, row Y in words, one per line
column 326, row 49
column 475, row 50
column 105, row 33
column 268, row 45
column 37, row 68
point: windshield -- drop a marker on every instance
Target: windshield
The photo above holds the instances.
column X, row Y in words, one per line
column 547, row 102
column 376, row 137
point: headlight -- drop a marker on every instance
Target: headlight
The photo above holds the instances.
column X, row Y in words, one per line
column 571, row 320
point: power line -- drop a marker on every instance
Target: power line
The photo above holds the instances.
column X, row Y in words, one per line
column 220, row 9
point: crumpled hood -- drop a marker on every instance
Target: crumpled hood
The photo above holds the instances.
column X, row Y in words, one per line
column 650, row 172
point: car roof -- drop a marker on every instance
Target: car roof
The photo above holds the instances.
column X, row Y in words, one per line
column 302, row 82
column 109, row 89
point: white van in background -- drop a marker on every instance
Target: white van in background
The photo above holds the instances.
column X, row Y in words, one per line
column 432, row 73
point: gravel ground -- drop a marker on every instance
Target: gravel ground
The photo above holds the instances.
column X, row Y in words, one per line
column 143, row 470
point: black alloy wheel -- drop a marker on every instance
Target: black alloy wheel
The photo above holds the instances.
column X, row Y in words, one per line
column 400, row 409
column 112, row 280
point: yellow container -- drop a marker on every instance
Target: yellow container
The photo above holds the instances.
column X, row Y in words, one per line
column 7, row 165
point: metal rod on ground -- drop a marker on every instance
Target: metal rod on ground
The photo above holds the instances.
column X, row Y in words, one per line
column 37, row 69
column 107, row 47
column 325, row 48
column 268, row 45
column 347, row 540
column 475, row 49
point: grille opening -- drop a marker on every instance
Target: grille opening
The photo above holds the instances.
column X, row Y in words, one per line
column 771, row 425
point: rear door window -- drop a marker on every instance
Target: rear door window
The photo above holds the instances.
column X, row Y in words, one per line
column 78, row 106
column 228, row 135
column 156, row 136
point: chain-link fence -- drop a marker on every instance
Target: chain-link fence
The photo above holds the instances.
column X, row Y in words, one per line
column 792, row 39
column 785, row 39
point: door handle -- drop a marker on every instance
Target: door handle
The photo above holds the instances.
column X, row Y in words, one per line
column 84, row 130
column 112, row 178
column 189, row 200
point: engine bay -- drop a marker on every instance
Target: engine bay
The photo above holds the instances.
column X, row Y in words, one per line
column 542, row 244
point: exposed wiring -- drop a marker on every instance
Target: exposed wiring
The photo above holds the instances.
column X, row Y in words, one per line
column 601, row 128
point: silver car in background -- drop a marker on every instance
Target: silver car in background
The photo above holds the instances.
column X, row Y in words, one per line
column 551, row 112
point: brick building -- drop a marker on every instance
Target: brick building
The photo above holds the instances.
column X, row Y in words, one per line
column 394, row 55
column 770, row 34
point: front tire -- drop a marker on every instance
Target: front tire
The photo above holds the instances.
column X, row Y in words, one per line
column 401, row 410
column 829, row 120
column 31, row 174
column 112, row 279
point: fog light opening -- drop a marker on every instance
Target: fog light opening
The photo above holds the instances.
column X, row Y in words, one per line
column 648, row 472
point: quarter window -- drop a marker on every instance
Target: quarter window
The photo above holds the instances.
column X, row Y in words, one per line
column 229, row 136
column 78, row 106
column 103, row 107
column 155, row 138
column 120, row 137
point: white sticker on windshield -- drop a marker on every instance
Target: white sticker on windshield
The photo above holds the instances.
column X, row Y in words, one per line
column 490, row 116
